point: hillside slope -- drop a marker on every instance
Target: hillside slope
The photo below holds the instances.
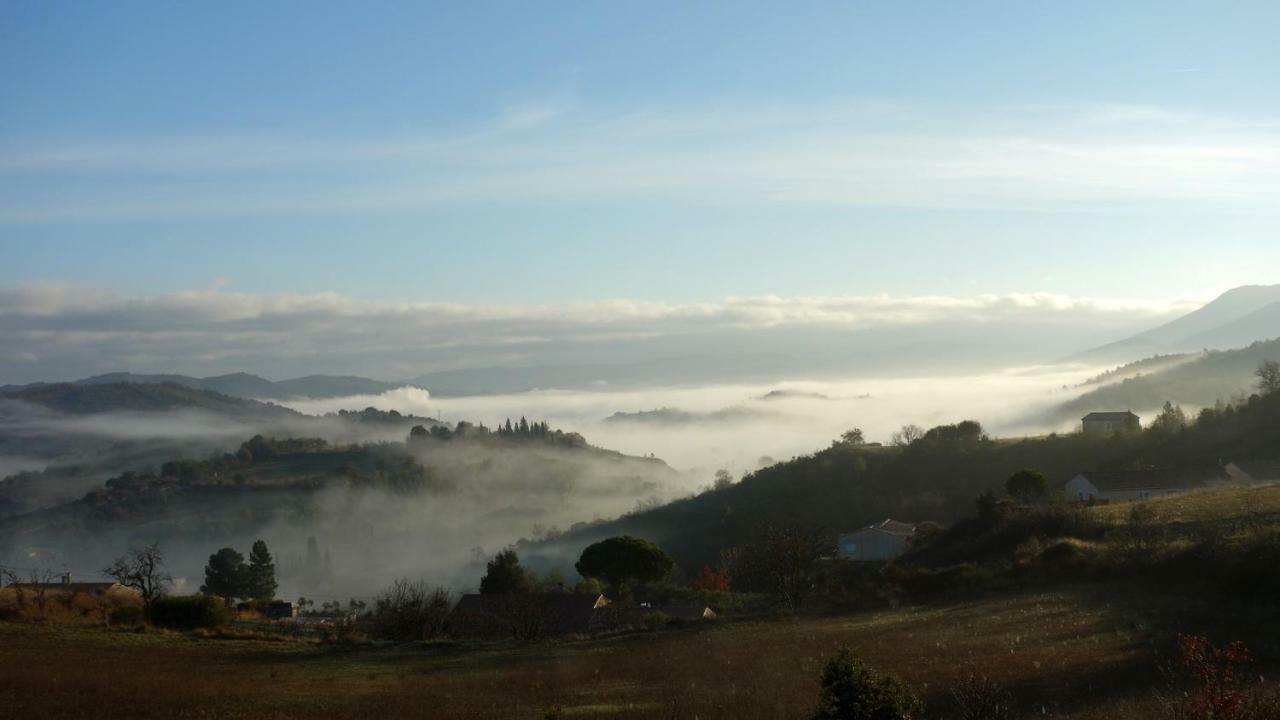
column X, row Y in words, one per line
column 93, row 398
column 1198, row 382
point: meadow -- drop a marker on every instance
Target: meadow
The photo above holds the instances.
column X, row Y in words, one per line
column 1084, row 652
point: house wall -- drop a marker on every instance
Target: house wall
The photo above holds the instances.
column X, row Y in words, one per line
column 871, row 545
column 1080, row 489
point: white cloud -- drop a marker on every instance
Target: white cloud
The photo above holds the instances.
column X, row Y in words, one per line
column 840, row 154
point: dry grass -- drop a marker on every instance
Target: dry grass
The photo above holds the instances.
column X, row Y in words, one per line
column 1219, row 505
column 1066, row 654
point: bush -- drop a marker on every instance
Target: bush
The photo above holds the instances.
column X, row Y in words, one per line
column 188, row 612
column 853, row 691
column 409, row 611
column 127, row 615
column 656, row 620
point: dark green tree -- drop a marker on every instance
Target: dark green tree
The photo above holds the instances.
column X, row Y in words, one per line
column 619, row 560
column 225, row 575
column 504, row 575
column 853, row 691
column 1027, row 486
column 260, row 578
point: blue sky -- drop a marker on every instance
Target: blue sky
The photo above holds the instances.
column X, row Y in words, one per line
column 524, row 153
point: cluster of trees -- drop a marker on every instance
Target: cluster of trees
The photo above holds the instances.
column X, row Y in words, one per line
column 228, row 576
column 619, row 562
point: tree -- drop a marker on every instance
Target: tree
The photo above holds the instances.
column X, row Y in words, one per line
column 143, row 570
column 260, row 580
column 418, row 433
column 1027, row 486
column 1170, row 420
column 853, row 691
column 619, row 560
column 723, row 480
column 504, row 575
column 907, row 435
column 1269, row 377
column 225, row 575
column 852, row 438
column 782, row 562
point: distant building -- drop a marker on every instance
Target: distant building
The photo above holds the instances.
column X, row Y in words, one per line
column 1110, row 423
column 64, row 586
column 280, row 610
column 1131, row 485
column 1253, row 472
column 876, row 543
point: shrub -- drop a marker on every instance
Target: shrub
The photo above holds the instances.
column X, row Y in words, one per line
column 978, row 698
column 853, row 691
column 409, row 611
column 188, row 612
column 656, row 620
column 128, row 615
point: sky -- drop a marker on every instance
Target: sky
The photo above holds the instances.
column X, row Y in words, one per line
column 504, row 155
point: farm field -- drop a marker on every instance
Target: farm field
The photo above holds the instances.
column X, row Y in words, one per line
column 1071, row 653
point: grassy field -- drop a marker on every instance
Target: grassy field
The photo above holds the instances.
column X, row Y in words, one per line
column 1073, row 653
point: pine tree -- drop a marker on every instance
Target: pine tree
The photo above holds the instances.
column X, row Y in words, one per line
column 524, row 426
column 225, row 575
column 261, row 574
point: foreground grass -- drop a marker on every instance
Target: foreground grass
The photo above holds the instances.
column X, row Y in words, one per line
column 1068, row 654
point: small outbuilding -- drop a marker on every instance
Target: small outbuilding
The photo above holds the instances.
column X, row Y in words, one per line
column 883, row 541
column 1110, row 423
column 280, row 610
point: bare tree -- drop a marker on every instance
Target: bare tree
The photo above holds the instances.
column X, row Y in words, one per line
column 907, row 435
column 142, row 569
column 782, row 561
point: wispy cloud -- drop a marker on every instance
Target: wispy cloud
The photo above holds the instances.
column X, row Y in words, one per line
column 869, row 153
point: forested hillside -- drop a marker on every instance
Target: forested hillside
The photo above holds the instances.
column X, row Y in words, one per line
column 934, row 477
column 1200, row 381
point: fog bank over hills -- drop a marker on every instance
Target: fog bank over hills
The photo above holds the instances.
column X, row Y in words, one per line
column 66, row 332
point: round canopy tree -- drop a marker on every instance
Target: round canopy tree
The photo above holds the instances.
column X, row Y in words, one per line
column 624, row 559
column 1027, row 486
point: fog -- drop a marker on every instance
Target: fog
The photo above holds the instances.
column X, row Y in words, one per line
column 734, row 426
column 492, row 493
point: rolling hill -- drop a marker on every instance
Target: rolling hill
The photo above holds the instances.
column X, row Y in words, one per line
column 91, row 398
column 1234, row 319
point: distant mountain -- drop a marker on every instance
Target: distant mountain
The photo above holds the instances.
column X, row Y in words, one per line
column 244, row 385
column 1235, row 319
column 101, row 397
column 1196, row 380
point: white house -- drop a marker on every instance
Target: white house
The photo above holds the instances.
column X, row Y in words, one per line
column 883, row 541
column 1130, row 485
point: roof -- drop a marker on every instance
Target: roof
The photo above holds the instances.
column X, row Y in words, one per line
column 73, row 588
column 1260, row 469
column 888, row 527
column 1106, row 480
column 1126, row 415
